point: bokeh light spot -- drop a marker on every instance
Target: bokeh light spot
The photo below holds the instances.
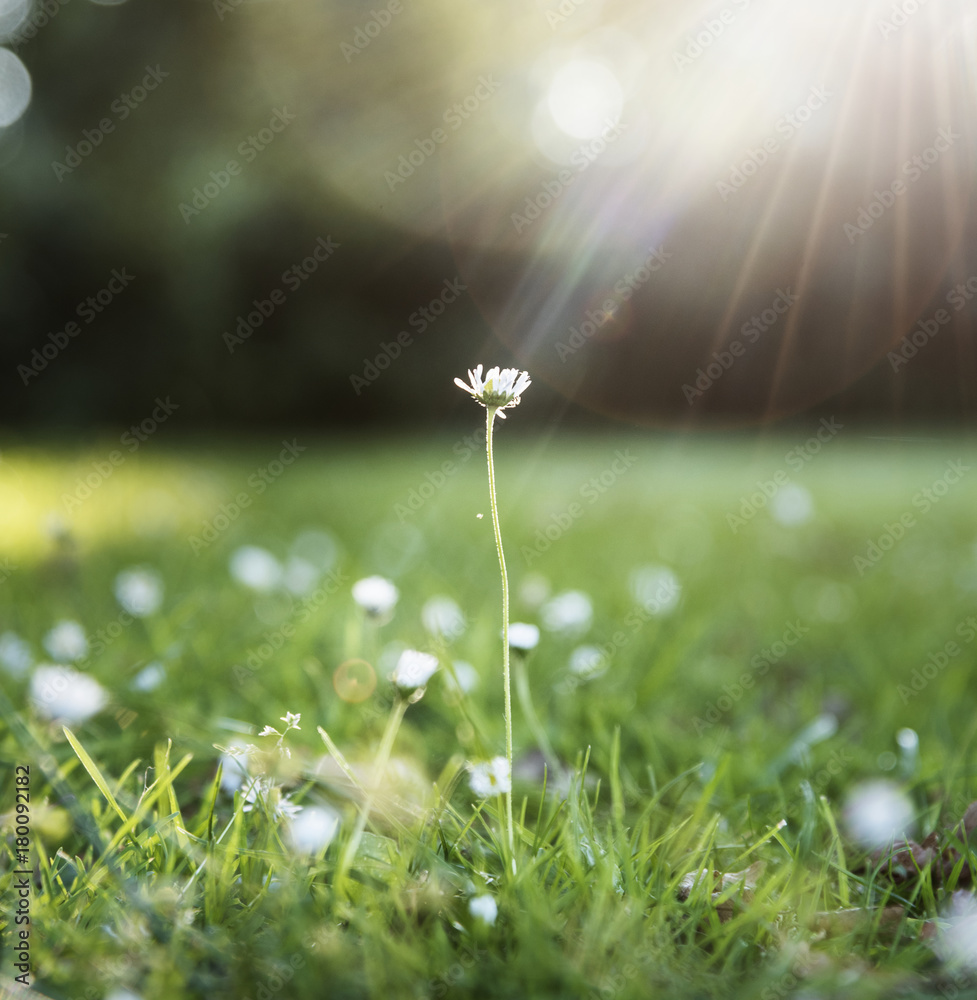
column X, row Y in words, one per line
column 354, row 681
column 585, row 98
column 15, row 88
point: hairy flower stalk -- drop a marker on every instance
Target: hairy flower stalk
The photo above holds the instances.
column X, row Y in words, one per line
column 498, row 391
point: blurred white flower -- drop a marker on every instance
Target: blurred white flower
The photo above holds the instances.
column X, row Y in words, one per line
column 484, row 908
column 491, row 777
column 656, row 588
column 60, row 692
column 149, row 678
column 265, row 792
column 500, row 388
column 570, row 612
column 312, row 830
column 235, row 761
column 442, row 617
column 15, row 655
column 792, row 505
column 588, row 662
column 957, row 942
column 376, row 595
column 139, row 591
column 876, row 813
column 523, row 636
column 414, row 669
column 300, row 576
column 467, row 677
column 256, row 568
column 66, row 642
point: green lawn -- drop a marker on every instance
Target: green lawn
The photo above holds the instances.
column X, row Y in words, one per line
column 793, row 656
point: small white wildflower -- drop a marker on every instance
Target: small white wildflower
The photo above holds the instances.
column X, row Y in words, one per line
column 491, row 777
column 15, row 655
column 484, row 908
column 501, row 388
column 877, row 813
column 523, row 636
column 264, row 791
column 66, row 642
column 588, row 662
column 292, row 719
column 139, row 591
column 465, row 677
column 256, row 568
column 570, row 612
column 442, row 617
column 59, row 692
column 414, row 669
column 149, row 678
column 269, row 731
column 312, row 830
column 376, row 595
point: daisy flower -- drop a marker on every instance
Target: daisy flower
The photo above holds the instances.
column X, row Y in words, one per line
column 501, row 389
column 376, row 595
column 490, row 777
column 414, row 669
column 523, row 636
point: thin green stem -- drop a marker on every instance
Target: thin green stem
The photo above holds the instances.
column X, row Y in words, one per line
column 490, row 412
column 379, row 766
